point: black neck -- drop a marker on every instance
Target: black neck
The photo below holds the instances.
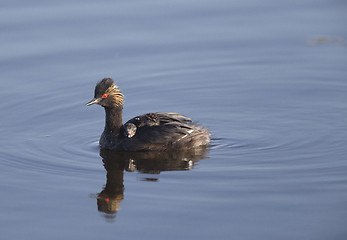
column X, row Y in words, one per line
column 114, row 119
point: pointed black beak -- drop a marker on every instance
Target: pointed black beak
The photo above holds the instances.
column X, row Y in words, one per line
column 93, row 101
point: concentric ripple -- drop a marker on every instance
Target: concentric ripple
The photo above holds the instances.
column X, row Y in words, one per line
column 58, row 140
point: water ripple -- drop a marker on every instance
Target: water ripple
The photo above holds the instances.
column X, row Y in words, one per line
column 57, row 141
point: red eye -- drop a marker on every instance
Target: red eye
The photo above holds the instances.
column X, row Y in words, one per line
column 104, row 96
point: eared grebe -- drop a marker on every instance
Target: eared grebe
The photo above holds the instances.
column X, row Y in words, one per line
column 149, row 132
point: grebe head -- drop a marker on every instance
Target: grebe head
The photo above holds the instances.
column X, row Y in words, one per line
column 107, row 94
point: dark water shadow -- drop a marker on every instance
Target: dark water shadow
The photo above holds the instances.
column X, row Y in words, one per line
column 109, row 199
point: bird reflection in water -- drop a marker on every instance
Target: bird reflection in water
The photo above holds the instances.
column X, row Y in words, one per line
column 115, row 163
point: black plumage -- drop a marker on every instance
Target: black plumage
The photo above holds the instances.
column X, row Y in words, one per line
column 149, row 132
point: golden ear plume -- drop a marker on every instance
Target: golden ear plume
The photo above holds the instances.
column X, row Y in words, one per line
column 115, row 95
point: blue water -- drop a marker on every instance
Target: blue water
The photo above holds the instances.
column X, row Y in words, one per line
column 267, row 78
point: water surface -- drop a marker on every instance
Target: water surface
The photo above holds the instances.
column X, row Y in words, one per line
column 268, row 79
